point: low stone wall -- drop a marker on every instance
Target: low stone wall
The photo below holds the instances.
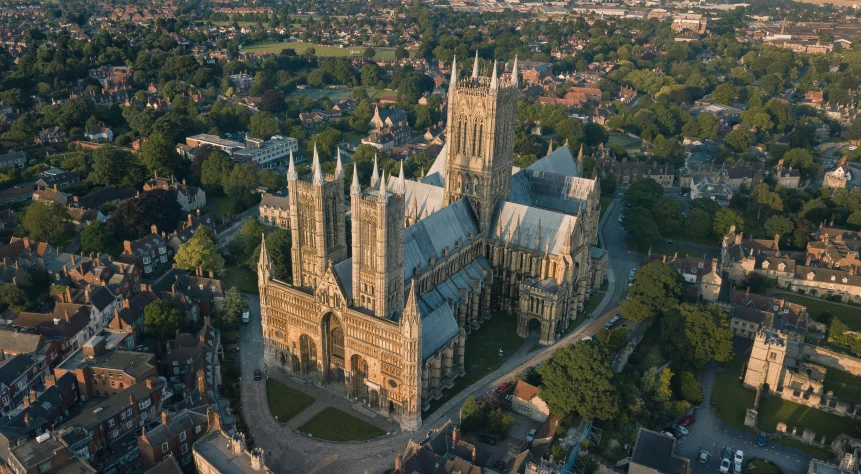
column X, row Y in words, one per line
column 807, row 437
column 822, row 356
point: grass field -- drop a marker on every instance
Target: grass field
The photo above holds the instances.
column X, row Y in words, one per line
column 733, row 400
column 844, row 385
column 773, row 410
column 815, row 306
column 319, row 49
column 285, row 402
column 335, row 95
column 334, row 425
column 762, row 467
column 605, row 203
column 622, row 140
column 242, row 278
column 482, row 357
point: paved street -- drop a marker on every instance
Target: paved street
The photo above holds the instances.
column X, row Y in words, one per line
column 711, row 434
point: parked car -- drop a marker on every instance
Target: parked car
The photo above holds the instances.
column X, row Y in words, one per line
column 739, row 457
column 736, row 468
column 727, row 453
column 487, row 439
column 503, row 387
column 675, row 431
column 682, row 429
column 669, row 241
column 761, row 440
column 704, row 456
column 258, row 374
column 688, row 420
column 667, row 433
column 530, row 437
column 725, row 465
column 246, row 316
column 586, row 339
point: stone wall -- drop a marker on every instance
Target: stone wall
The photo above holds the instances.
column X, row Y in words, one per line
column 828, row 358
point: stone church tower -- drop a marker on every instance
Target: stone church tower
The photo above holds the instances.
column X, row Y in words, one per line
column 480, row 139
column 316, row 222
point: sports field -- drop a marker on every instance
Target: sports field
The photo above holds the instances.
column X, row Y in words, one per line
column 319, row 50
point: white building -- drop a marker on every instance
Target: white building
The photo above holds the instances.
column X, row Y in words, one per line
column 268, row 153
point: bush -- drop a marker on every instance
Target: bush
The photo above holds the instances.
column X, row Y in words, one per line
column 690, row 388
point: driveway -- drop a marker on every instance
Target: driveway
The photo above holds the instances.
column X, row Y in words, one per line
column 711, row 434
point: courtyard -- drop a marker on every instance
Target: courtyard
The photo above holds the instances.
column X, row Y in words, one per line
column 333, row 424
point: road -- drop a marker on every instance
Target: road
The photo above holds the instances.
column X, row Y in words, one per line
column 711, row 434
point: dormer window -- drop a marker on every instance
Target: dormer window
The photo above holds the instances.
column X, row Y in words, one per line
column 833, row 278
column 781, row 267
column 765, row 264
column 845, row 280
column 810, row 276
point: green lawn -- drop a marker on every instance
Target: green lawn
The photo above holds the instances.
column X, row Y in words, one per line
column 760, row 466
column 815, row 306
column 812, row 450
column 844, row 385
column 222, row 206
column 242, row 278
column 734, row 365
column 385, row 94
column 482, row 353
column 622, row 140
column 730, row 400
column 334, row 95
column 319, row 50
column 334, row 425
column 605, row 203
column 773, row 410
column 669, row 250
column 285, row 402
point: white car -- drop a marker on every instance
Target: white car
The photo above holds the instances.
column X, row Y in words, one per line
column 736, row 468
column 739, row 457
column 682, row 429
column 246, row 316
column 725, row 465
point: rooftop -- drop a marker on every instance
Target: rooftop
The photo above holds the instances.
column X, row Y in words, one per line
column 215, row 448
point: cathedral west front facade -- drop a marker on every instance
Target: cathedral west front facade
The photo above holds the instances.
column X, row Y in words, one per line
column 430, row 260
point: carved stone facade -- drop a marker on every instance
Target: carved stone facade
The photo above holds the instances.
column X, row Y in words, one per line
column 430, row 260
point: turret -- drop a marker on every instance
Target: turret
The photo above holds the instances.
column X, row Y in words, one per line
column 475, row 66
column 316, row 170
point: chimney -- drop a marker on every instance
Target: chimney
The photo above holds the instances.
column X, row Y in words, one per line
column 154, row 229
column 131, row 399
column 126, row 303
column 211, row 274
column 165, row 418
column 26, row 402
column 398, row 460
column 68, row 295
column 127, row 247
column 149, row 382
column 169, row 347
column 201, row 381
column 454, row 436
column 32, row 395
column 189, row 219
column 807, row 261
column 474, row 455
column 50, row 380
column 72, row 257
column 66, row 315
column 26, row 419
column 55, row 187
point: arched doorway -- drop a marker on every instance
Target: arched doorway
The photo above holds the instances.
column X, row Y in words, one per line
column 358, row 375
column 334, row 334
column 533, row 327
column 307, row 354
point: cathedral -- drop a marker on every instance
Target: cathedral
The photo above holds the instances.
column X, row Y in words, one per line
column 429, row 260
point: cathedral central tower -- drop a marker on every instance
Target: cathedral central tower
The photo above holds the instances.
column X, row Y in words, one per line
column 480, row 140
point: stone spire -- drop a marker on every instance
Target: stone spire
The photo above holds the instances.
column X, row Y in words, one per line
column 382, row 193
column 264, row 263
column 514, row 79
column 291, row 170
column 475, row 66
column 402, row 184
column 494, row 84
column 375, row 175
column 550, row 148
column 339, row 168
column 355, row 187
column 452, row 83
column 316, row 170
column 580, row 160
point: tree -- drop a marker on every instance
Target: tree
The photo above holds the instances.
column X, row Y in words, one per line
column 11, row 298
column 803, row 161
column 739, row 139
column 473, row 416
column 641, row 226
column 577, row 379
column 48, row 221
column 162, row 319
column 724, row 93
column 215, row 171
column 278, row 245
column 570, row 130
column 240, row 184
column 263, row 125
column 692, row 335
column 594, row 134
column 655, row 289
column 115, row 167
column 134, row 218
column 724, row 219
column 697, row 224
column 234, row 305
column 668, row 215
column 778, row 225
column 615, row 339
column 608, row 184
column 272, row 101
column 96, row 238
column 201, row 251
column 158, row 154
column 690, row 388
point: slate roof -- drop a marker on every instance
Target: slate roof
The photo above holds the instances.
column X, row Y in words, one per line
column 438, row 327
column 344, row 273
column 102, row 298
column 442, row 229
column 162, row 433
column 553, row 226
column 550, row 190
column 560, row 161
column 19, row 342
column 420, row 199
column 275, row 201
column 436, row 174
column 117, row 403
column 655, row 450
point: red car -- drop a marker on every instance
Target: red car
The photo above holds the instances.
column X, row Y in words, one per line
column 502, row 388
column 688, row 420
